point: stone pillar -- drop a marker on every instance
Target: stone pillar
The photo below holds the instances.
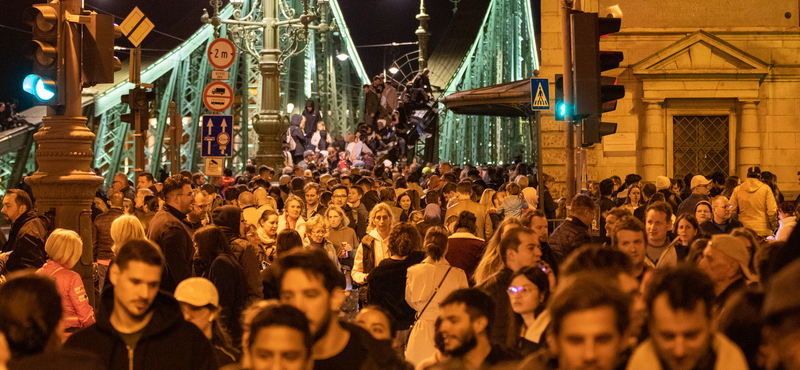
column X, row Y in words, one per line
column 749, row 148
column 268, row 123
column 654, row 154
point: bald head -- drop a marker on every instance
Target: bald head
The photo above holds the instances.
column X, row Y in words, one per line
column 120, row 182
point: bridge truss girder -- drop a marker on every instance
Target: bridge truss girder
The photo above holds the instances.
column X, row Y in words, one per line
column 181, row 76
column 504, row 51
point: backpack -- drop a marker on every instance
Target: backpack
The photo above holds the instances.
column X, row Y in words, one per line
column 289, row 139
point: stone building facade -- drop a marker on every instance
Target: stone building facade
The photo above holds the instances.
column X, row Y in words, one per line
column 710, row 85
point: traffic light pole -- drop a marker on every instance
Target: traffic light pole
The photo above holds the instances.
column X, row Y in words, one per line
column 64, row 184
column 140, row 127
column 569, row 150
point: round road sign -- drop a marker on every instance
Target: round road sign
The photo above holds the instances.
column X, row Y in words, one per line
column 221, row 53
column 218, row 96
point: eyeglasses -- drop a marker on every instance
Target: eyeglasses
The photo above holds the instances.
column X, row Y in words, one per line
column 517, row 290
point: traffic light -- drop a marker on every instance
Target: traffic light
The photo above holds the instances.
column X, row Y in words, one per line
column 98, row 60
column 45, row 20
column 594, row 94
column 138, row 99
column 561, row 106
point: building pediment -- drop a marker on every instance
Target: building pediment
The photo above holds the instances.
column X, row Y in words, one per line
column 701, row 54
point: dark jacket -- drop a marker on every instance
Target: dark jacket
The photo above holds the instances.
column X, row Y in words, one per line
column 548, row 205
column 227, row 275
column 67, row 359
column 506, row 327
column 168, row 341
column 175, row 240
column 372, row 105
column 368, row 250
column 712, row 228
column 311, row 119
column 370, row 199
column 228, row 219
column 387, row 287
column 26, row 240
column 672, row 200
column 297, row 134
column 379, row 354
column 688, row 204
column 101, row 234
column 570, row 235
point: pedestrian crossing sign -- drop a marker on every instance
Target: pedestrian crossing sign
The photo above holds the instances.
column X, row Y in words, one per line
column 540, row 94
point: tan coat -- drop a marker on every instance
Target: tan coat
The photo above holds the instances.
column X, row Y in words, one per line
column 483, row 222
column 754, row 202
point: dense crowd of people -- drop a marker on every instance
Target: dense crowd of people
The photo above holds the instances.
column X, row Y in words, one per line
column 388, row 132
column 384, row 266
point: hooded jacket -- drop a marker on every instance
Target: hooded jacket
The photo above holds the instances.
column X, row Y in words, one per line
column 228, row 218
column 311, row 119
column 754, row 202
column 26, row 240
column 168, row 341
column 297, row 134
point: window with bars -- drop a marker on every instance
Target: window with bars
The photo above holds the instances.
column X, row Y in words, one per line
column 700, row 145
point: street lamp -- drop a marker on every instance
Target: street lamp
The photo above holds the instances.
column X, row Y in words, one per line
column 280, row 36
column 342, row 57
column 393, row 69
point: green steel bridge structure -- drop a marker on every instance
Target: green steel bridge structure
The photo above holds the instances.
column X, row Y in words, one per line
column 487, row 43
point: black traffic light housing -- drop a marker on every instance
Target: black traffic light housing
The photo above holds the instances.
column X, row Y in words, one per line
column 45, row 21
column 97, row 57
column 594, row 94
column 561, row 106
column 138, row 99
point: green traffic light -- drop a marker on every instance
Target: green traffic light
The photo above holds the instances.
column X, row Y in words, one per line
column 42, row 88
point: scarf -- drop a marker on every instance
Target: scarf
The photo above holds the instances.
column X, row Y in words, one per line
column 432, row 212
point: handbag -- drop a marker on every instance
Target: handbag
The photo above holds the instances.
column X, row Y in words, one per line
column 417, row 316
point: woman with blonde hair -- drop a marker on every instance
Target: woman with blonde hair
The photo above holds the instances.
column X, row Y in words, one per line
column 125, row 228
column 64, row 248
column 374, row 246
column 291, row 217
column 491, row 262
column 316, row 237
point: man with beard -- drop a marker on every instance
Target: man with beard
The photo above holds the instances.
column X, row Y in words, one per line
column 25, row 245
column 138, row 326
column 311, row 282
column 169, row 232
column 467, row 318
column 682, row 334
column 519, row 248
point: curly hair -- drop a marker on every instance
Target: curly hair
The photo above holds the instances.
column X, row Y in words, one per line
column 404, row 239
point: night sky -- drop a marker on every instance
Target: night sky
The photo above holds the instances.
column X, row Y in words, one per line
column 370, row 22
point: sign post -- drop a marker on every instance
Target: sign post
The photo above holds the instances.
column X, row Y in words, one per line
column 540, row 100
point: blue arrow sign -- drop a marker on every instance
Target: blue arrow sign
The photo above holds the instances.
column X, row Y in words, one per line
column 540, row 94
column 217, row 136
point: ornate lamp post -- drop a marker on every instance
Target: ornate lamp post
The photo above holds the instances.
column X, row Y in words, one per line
column 423, row 35
column 282, row 36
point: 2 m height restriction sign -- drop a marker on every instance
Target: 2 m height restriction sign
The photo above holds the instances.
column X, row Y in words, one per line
column 221, row 53
column 540, row 94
